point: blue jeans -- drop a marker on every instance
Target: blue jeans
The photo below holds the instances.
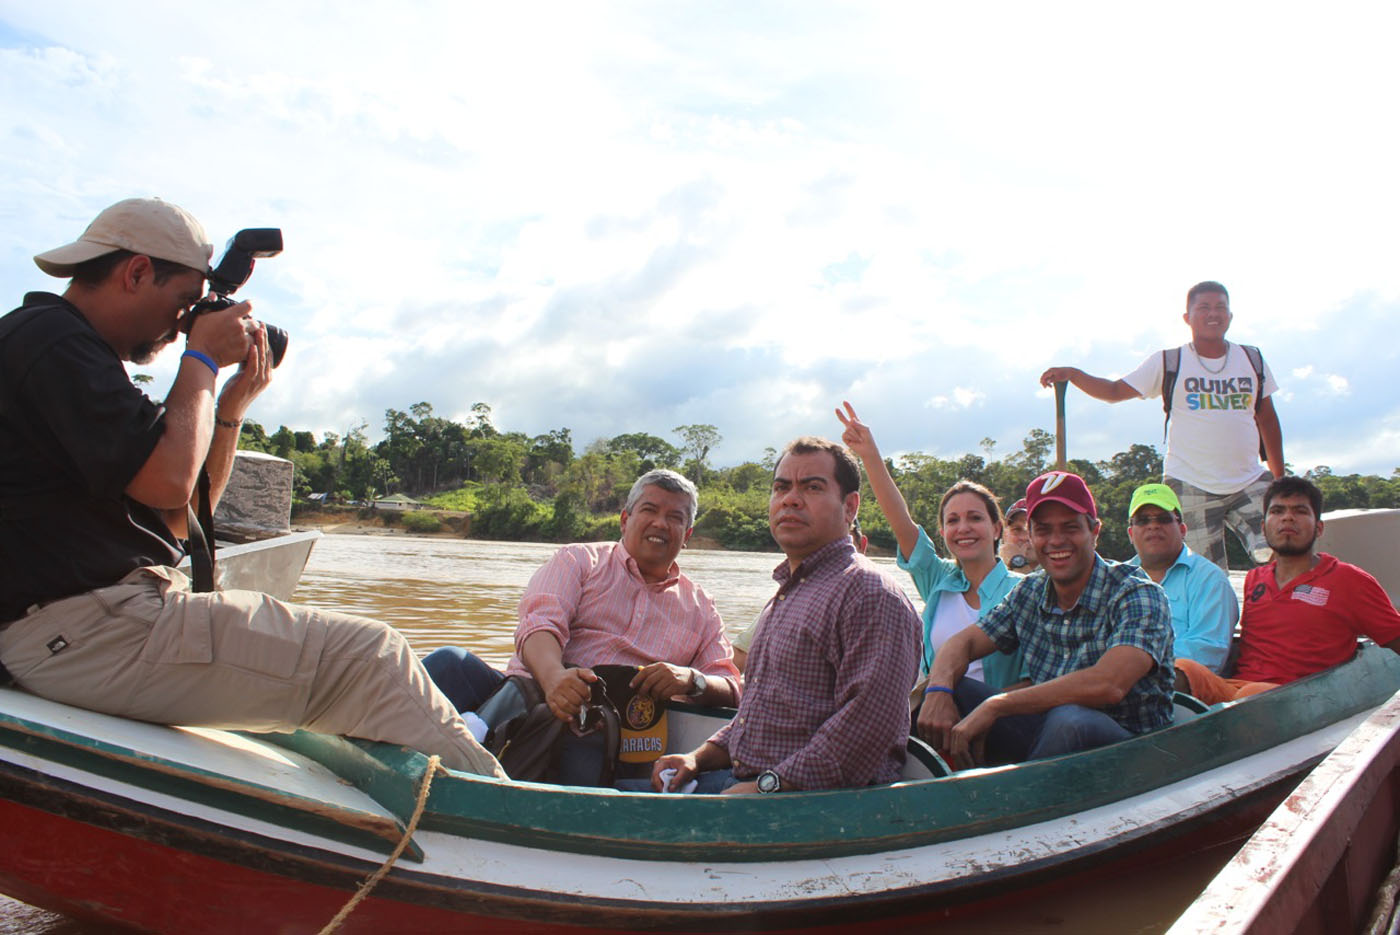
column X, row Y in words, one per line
column 710, row 782
column 461, row 676
column 1020, row 737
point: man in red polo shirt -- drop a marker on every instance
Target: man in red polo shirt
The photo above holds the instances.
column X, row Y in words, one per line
column 1303, row 612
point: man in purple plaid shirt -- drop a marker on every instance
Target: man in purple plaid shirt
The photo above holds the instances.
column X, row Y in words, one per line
column 826, row 697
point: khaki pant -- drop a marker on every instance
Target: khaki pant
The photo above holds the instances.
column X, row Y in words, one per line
column 147, row 648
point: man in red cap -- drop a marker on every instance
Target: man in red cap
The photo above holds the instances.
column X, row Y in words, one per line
column 96, row 481
column 1097, row 639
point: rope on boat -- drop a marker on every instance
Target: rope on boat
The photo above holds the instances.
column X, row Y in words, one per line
column 434, row 766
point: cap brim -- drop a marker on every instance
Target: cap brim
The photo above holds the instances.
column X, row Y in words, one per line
column 61, row 261
column 1162, row 503
column 1063, row 501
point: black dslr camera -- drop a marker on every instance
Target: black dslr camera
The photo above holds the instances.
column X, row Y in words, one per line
column 232, row 272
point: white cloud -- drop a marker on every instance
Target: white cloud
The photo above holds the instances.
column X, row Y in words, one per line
column 961, row 398
column 643, row 216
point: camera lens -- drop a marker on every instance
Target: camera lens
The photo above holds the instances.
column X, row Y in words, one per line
column 276, row 342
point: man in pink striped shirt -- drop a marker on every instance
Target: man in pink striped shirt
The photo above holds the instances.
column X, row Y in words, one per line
column 627, row 603
column 623, row 602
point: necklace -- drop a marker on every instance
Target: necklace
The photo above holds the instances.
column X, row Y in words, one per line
column 1223, row 364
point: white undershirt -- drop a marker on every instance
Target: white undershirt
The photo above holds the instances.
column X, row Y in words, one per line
column 952, row 615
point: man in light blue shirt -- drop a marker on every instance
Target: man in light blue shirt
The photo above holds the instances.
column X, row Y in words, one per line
column 1204, row 606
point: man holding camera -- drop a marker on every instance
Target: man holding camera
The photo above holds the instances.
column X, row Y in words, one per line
column 96, row 484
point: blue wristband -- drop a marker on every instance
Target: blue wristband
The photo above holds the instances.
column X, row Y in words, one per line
column 202, row 358
column 938, row 688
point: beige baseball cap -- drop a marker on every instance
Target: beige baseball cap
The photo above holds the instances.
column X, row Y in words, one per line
column 147, row 226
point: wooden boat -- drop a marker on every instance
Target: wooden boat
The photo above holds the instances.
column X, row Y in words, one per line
column 1317, row 864
column 182, row 830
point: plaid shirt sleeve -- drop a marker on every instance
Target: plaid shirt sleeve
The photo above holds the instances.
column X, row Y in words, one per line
column 1142, row 618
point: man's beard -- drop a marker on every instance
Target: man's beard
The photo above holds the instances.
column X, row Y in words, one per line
column 1292, row 551
column 145, row 352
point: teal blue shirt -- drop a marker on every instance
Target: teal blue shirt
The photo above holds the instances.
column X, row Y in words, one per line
column 1204, row 608
column 933, row 575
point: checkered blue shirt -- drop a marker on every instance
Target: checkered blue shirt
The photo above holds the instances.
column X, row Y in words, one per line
column 1120, row 606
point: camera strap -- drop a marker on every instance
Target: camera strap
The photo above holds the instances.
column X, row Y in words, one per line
column 201, row 538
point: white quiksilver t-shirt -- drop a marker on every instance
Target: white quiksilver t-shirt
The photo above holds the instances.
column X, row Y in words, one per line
column 1212, row 440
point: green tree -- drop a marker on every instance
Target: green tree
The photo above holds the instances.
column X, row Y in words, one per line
column 498, row 459
column 697, row 441
column 507, row 512
column 253, row 437
column 480, row 424
column 653, row 452
column 549, row 455
column 283, row 442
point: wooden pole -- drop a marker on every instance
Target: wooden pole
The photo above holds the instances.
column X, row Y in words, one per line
column 1060, row 386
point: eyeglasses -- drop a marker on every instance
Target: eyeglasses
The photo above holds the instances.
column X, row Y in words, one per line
column 1159, row 519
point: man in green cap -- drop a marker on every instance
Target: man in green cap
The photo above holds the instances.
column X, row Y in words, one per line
column 1204, row 607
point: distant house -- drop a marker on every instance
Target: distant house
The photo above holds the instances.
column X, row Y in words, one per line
column 397, row 501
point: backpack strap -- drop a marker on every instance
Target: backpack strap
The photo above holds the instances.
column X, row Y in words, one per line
column 1171, row 366
column 1256, row 360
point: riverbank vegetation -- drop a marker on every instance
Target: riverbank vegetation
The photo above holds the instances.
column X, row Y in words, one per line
column 521, row 487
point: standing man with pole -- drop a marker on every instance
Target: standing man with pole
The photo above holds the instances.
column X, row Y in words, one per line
column 1218, row 398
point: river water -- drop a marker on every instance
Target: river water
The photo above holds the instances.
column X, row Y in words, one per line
column 464, row 592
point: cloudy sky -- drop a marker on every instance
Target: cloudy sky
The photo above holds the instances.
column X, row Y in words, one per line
column 624, row 217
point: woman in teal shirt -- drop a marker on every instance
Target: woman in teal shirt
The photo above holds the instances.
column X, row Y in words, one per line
column 956, row 591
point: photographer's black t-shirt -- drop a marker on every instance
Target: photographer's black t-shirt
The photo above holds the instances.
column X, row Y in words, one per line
column 74, row 431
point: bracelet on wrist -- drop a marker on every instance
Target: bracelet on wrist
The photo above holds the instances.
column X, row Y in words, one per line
column 203, row 358
column 938, row 688
column 227, row 423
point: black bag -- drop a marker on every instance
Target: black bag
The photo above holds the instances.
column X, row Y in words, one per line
column 530, row 745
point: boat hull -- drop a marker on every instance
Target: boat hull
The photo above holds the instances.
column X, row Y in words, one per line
column 213, row 882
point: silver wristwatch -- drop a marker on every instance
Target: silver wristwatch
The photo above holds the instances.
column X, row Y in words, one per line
column 768, row 781
column 698, row 684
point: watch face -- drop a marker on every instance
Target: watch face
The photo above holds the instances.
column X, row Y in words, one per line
column 1018, row 561
column 768, row 781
